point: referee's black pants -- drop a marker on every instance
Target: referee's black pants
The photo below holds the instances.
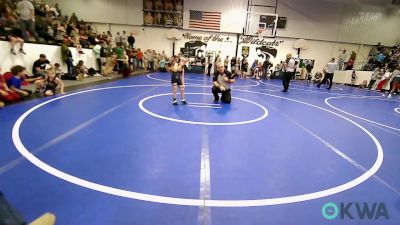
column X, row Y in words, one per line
column 287, row 76
column 328, row 76
column 226, row 95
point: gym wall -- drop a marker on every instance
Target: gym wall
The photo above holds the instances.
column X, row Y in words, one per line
column 321, row 51
column 350, row 21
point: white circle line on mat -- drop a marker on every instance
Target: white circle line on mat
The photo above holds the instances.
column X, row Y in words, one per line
column 359, row 117
column 320, row 92
column 141, row 106
column 193, row 202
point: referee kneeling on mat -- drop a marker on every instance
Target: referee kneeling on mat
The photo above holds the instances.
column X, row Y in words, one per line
column 222, row 80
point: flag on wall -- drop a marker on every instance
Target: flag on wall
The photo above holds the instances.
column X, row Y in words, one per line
column 205, row 20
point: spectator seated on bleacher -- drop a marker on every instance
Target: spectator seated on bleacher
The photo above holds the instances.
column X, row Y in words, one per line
column 60, row 34
column 83, row 39
column 75, row 39
column 7, row 12
column 74, row 19
column 41, row 21
column 8, row 27
column 8, row 19
column 15, row 37
column 92, row 36
column 45, row 29
column 40, row 8
column 54, row 10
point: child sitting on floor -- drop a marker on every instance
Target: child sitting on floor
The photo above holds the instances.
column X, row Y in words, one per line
column 50, row 84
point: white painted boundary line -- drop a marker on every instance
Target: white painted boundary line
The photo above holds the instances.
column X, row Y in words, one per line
column 196, row 202
column 200, row 103
column 141, row 106
column 359, row 117
column 205, row 106
column 319, row 92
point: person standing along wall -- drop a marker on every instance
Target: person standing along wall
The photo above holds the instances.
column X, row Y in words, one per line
column 342, row 59
column 233, row 63
column 226, row 62
column 140, row 58
column 118, row 41
column 131, row 41
column 288, row 68
column 124, row 39
column 353, row 77
column 66, row 56
column 209, row 63
column 97, row 51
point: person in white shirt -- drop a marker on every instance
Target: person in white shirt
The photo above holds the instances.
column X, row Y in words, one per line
column 163, row 55
column 288, row 68
column 329, row 70
column 124, row 39
column 118, row 40
column 26, row 12
column 97, row 53
column 342, row 59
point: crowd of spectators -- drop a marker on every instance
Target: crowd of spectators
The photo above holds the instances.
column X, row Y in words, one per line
column 383, row 61
column 383, row 57
column 24, row 21
column 46, row 76
column 38, row 22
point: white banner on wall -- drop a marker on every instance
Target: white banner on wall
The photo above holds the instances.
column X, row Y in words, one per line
column 261, row 48
column 202, row 43
column 198, row 43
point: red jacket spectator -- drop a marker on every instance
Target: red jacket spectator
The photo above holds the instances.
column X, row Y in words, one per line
column 6, row 94
column 139, row 55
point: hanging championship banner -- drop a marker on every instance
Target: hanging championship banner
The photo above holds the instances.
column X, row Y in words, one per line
column 245, row 51
column 159, row 13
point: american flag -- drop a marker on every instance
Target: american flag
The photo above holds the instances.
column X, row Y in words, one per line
column 205, row 20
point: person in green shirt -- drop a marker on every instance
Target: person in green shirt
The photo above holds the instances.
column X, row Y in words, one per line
column 120, row 57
